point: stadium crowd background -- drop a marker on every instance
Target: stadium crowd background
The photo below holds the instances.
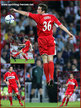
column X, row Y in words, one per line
column 19, row 69
column 67, row 56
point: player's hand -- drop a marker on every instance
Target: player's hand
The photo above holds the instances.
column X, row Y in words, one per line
column 31, row 50
column 12, row 9
column 19, row 86
column 70, row 36
column 7, row 83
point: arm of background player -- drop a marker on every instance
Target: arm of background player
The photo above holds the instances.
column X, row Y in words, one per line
column 17, row 80
column 21, row 44
column 20, row 12
column 19, row 83
column 76, row 84
column 65, row 29
column 7, row 83
column 31, row 47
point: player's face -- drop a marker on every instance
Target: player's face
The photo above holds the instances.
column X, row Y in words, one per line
column 39, row 10
column 39, row 63
column 11, row 69
column 71, row 76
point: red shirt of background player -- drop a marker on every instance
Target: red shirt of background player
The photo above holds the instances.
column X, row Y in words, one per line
column 27, row 46
column 11, row 77
column 71, row 86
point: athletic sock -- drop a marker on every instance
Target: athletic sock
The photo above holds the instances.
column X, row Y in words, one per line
column 16, row 54
column 10, row 99
column 67, row 101
column 46, row 71
column 51, row 69
column 40, row 98
column 18, row 97
column 25, row 57
column 63, row 100
column 31, row 97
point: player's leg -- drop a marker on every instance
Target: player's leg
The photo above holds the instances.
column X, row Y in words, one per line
column 40, row 90
column 18, row 97
column 67, row 100
column 10, row 95
column 15, row 55
column 45, row 66
column 23, row 54
column 51, row 68
column 31, row 95
column 10, row 99
column 63, row 100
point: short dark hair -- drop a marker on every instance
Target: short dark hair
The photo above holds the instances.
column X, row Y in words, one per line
column 44, row 7
column 26, row 37
column 9, row 67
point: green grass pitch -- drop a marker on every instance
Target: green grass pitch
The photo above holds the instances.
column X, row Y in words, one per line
column 21, row 61
column 70, row 104
column 6, row 103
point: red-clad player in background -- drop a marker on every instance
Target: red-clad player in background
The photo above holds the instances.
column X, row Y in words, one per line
column 24, row 50
column 10, row 79
column 71, row 88
column 46, row 43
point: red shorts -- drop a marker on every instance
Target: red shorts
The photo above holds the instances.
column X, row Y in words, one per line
column 25, row 50
column 69, row 92
column 46, row 45
column 10, row 88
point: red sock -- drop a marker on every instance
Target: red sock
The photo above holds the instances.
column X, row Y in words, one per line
column 51, row 69
column 25, row 57
column 16, row 54
column 67, row 101
column 46, row 71
column 63, row 100
column 10, row 99
column 18, row 97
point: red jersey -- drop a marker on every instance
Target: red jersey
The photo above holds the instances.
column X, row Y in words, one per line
column 27, row 44
column 71, row 84
column 45, row 23
column 11, row 77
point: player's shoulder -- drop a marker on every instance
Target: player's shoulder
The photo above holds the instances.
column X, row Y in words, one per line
column 7, row 72
column 13, row 72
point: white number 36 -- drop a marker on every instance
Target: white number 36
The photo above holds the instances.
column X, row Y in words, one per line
column 47, row 26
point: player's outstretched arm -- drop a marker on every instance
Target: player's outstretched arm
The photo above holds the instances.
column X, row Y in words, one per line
column 21, row 44
column 31, row 47
column 7, row 83
column 65, row 29
column 18, row 83
column 20, row 12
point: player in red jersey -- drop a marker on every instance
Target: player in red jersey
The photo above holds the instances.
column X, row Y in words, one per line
column 71, row 88
column 46, row 42
column 10, row 79
column 24, row 50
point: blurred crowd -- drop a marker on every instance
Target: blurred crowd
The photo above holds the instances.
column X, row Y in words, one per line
column 62, row 79
column 67, row 51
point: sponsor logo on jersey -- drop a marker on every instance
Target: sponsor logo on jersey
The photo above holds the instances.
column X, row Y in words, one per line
column 72, row 83
column 10, row 77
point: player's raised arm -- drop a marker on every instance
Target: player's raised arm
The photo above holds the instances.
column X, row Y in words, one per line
column 31, row 47
column 65, row 29
column 19, row 11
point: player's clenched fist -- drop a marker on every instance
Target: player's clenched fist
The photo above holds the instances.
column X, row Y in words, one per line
column 7, row 83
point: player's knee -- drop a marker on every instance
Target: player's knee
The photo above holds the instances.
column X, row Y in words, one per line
column 10, row 94
column 17, row 93
column 50, row 58
column 22, row 53
column 44, row 57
